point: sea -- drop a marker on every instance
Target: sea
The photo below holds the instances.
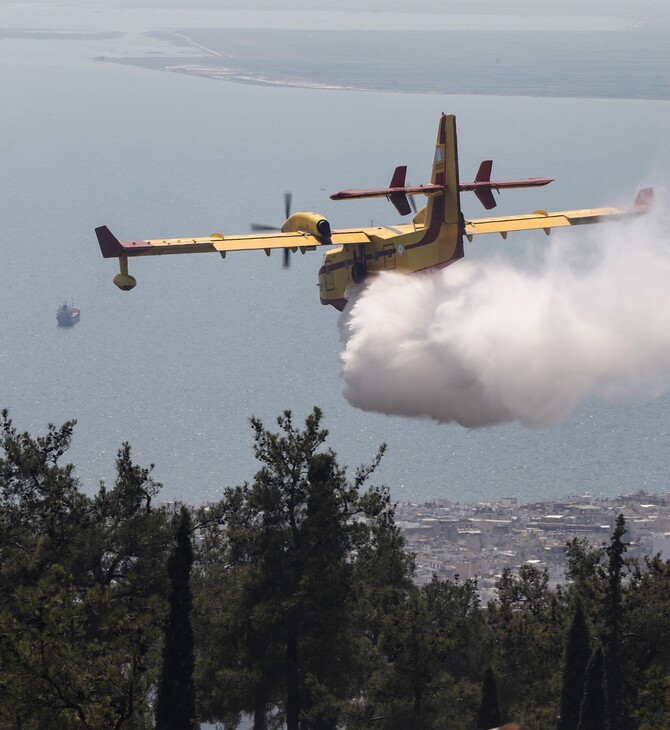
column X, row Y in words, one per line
column 178, row 366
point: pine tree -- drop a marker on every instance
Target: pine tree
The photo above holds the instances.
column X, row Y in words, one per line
column 291, row 541
column 80, row 588
column 175, row 705
column 577, row 653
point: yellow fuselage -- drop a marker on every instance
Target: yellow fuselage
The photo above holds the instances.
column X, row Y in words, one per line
column 405, row 248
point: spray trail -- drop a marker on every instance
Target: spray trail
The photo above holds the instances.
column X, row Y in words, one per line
column 489, row 341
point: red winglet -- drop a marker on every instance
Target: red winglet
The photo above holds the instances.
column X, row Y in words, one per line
column 112, row 248
column 645, row 198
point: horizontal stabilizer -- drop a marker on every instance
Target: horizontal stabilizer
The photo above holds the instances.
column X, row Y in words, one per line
column 385, row 192
column 483, row 186
column 396, row 193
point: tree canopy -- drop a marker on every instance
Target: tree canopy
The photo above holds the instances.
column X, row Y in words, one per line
column 293, row 601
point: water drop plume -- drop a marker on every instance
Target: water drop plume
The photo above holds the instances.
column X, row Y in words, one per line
column 490, row 340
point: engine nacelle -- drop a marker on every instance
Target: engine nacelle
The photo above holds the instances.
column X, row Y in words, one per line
column 312, row 223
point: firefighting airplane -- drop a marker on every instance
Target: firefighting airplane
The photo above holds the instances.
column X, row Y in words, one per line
column 433, row 240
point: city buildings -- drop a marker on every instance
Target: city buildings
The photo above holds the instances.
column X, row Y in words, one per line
column 480, row 540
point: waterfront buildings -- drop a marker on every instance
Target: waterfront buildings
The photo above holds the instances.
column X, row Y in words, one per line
column 480, row 540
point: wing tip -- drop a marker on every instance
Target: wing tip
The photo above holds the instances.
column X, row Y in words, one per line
column 110, row 246
column 645, row 199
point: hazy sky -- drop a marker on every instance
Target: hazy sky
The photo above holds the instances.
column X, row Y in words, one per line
column 660, row 8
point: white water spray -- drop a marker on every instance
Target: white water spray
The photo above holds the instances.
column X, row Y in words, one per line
column 488, row 341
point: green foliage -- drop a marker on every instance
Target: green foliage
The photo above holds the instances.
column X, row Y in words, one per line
column 58, row 673
column 593, row 712
column 175, row 700
column 42, row 512
column 81, row 579
column 648, row 614
column 488, row 714
column 608, row 585
column 426, row 664
column 304, row 609
column 577, row 655
column 653, row 709
column 283, row 609
column 528, row 622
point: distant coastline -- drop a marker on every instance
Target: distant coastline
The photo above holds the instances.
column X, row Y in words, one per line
column 631, row 64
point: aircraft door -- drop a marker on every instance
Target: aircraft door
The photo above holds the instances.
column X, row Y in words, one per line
column 330, row 281
column 389, row 256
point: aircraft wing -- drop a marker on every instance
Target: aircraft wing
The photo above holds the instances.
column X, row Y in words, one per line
column 111, row 247
column 546, row 221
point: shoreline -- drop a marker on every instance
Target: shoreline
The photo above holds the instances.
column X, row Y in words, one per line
column 577, row 65
column 236, row 77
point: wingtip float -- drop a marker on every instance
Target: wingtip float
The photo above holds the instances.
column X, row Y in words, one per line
column 433, row 240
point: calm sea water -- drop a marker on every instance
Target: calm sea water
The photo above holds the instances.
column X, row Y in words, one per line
column 177, row 366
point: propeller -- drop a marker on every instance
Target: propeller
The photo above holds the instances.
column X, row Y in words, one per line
column 261, row 227
column 410, row 198
column 412, row 203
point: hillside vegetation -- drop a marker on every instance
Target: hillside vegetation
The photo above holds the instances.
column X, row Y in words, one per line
column 292, row 601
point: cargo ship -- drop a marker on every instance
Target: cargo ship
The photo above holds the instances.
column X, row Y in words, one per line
column 67, row 315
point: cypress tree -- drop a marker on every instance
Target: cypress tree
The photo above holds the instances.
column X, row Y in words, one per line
column 613, row 633
column 175, row 703
column 577, row 652
column 489, row 712
column 593, row 711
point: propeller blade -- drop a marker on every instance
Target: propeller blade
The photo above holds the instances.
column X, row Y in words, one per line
column 257, row 227
column 412, row 203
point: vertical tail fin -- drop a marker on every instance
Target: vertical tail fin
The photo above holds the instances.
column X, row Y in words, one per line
column 484, row 172
column 445, row 168
column 444, row 220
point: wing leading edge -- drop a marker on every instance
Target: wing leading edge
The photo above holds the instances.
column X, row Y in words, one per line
column 294, row 241
column 111, row 247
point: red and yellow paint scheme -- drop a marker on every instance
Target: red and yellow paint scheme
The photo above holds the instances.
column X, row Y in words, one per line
column 433, row 240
